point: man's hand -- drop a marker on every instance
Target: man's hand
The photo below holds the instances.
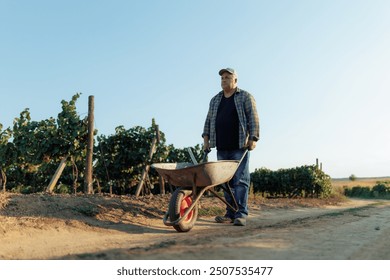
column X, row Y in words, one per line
column 251, row 145
column 206, row 144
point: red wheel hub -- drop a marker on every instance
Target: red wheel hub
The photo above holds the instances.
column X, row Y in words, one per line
column 185, row 204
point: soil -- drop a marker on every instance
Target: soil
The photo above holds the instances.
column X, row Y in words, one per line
column 44, row 226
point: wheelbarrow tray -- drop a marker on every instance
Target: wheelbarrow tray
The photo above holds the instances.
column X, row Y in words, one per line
column 205, row 174
column 197, row 178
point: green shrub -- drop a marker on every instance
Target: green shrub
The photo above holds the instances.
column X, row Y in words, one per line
column 64, row 189
column 304, row 181
column 381, row 188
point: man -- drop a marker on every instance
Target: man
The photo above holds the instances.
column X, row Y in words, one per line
column 232, row 126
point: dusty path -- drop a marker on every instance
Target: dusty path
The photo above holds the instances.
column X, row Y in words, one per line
column 360, row 232
column 357, row 229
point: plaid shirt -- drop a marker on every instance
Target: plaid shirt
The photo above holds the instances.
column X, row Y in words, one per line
column 247, row 115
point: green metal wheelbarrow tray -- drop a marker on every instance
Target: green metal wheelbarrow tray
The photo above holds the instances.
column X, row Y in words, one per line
column 193, row 180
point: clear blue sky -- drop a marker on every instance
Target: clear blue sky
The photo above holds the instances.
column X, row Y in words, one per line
column 319, row 71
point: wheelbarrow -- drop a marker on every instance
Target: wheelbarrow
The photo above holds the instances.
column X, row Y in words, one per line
column 193, row 180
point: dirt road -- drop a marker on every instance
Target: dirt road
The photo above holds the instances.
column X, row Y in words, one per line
column 51, row 227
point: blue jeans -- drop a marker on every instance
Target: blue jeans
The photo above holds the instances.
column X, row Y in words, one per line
column 239, row 183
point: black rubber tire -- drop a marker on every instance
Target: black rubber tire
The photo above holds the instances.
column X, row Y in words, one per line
column 180, row 201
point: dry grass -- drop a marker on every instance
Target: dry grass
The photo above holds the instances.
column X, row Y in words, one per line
column 340, row 184
column 363, row 182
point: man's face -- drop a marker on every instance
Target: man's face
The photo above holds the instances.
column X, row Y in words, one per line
column 228, row 81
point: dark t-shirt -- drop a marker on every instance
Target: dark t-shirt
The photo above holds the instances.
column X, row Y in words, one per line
column 227, row 125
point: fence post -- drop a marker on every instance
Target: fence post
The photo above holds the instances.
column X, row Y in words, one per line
column 88, row 186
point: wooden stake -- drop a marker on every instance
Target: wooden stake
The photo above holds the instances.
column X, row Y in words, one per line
column 146, row 169
column 162, row 184
column 56, row 175
column 147, row 166
column 88, row 186
column 3, row 179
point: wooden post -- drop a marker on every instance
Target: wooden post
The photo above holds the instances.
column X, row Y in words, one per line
column 162, row 184
column 145, row 172
column 56, row 175
column 146, row 169
column 3, row 179
column 88, row 186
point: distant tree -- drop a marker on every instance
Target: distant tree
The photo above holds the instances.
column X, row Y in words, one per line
column 352, row 177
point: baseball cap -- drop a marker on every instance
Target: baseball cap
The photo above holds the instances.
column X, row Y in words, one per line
column 229, row 70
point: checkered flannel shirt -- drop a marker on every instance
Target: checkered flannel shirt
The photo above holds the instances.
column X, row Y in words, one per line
column 247, row 115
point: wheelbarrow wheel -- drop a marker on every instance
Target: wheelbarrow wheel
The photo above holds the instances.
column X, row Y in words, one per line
column 180, row 201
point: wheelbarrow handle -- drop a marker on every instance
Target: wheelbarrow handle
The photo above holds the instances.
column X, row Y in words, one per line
column 205, row 153
column 243, row 155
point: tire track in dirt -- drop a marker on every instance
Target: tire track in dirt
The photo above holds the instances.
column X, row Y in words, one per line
column 350, row 233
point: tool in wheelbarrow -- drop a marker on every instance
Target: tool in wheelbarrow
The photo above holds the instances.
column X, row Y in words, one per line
column 193, row 180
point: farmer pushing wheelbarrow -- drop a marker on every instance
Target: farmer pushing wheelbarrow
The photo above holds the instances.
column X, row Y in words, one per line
column 232, row 126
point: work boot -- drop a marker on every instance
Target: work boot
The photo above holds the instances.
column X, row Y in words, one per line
column 223, row 220
column 239, row 221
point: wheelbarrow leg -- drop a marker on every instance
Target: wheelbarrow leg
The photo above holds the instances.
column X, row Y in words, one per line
column 227, row 188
